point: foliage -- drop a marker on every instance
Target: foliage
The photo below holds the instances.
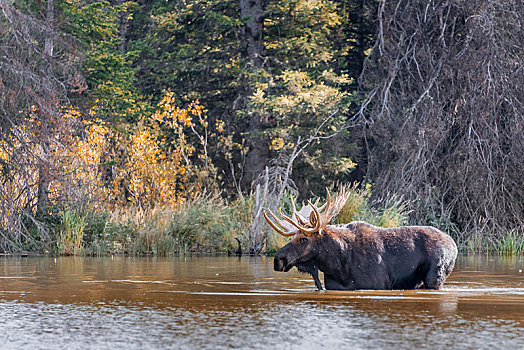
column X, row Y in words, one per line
column 148, row 164
column 161, row 161
column 156, row 167
column 102, row 119
column 191, row 48
column 265, row 108
column 299, row 95
column 107, row 68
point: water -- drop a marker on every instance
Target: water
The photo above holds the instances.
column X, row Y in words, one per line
column 221, row 302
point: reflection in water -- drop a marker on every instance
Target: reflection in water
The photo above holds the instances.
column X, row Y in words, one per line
column 219, row 302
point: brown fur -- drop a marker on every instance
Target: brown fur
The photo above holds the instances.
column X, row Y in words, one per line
column 362, row 256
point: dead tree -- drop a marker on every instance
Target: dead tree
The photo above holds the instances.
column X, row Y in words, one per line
column 37, row 67
column 444, row 121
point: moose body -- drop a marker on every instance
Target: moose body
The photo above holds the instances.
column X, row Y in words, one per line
column 362, row 256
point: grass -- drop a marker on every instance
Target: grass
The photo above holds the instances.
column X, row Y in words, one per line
column 507, row 243
column 389, row 212
column 209, row 224
column 511, row 244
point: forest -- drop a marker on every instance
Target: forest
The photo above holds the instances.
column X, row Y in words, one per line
column 168, row 126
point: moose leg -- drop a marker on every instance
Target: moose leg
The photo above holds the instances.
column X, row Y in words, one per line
column 314, row 274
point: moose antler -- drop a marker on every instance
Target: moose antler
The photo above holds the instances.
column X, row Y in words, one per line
column 318, row 217
column 279, row 225
column 333, row 207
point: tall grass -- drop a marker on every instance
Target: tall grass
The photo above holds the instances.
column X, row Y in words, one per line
column 506, row 243
column 208, row 224
column 511, row 244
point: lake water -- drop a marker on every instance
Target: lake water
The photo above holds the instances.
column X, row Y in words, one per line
column 226, row 302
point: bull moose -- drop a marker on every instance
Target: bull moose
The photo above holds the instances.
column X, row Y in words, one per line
column 359, row 255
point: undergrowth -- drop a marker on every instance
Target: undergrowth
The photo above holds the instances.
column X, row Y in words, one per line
column 207, row 224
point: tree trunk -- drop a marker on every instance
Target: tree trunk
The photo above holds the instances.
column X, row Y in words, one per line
column 252, row 33
column 43, row 181
column 122, row 29
column 50, row 17
column 43, row 167
column 361, row 37
column 252, row 48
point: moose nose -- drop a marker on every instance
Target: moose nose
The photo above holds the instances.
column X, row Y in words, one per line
column 279, row 263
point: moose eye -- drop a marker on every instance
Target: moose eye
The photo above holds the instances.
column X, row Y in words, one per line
column 303, row 240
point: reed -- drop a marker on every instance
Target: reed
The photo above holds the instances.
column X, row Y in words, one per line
column 71, row 233
column 511, row 244
column 506, row 243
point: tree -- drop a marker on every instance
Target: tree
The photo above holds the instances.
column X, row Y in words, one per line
column 264, row 68
column 300, row 91
column 100, row 28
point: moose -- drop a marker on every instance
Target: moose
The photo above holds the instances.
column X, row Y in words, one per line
column 359, row 255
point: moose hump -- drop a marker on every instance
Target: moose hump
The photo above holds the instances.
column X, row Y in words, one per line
column 359, row 255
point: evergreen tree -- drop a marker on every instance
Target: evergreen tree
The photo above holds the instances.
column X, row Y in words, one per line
column 267, row 94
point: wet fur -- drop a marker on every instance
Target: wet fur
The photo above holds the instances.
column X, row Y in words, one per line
column 362, row 256
column 311, row 268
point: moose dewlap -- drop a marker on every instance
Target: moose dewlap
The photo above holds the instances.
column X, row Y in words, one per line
column 359, row 255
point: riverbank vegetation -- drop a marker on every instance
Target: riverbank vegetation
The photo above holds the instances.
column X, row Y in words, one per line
column 166, row 127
